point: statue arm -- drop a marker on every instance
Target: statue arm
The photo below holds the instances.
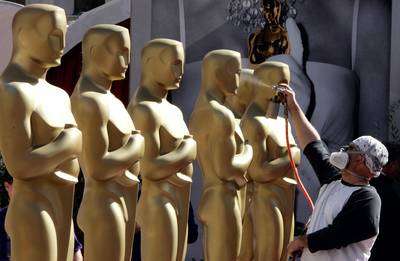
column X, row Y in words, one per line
column 22, row 159
column 227, row 164
column 279, row 167
column 155, row 166
column 260, row 169
column 102, row 163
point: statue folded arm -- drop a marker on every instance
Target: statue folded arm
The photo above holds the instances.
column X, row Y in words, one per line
column 28, row 161
column 261, row 169
column 279, row 167
column 227, row 164
column 108, row 164
column 154, row 166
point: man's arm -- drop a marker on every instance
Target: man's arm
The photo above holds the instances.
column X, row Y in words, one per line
column 318, row 155
column 310, row 141
column 305, row 132
column 357, row 221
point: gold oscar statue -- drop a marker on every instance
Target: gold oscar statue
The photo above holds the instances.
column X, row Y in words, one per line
column 272, row 183
column 39, row 139
column 166, row 167
column 223, row 155
column 111, row 147
column 238, row 103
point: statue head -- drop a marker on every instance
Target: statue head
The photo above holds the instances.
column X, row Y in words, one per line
column 221, row 69
column 106, row 50
column 162, row 63
column 238, row 103
column 39, row 34
column 270, row 75
column 272, row 10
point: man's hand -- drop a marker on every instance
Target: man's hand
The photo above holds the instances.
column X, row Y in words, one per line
column 297, row 245
column 304, row 130
column 290, row 96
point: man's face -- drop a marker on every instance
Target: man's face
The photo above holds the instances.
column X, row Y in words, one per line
column 45, row 41
column 357, row 162
column 112, row 58
column 172, row 66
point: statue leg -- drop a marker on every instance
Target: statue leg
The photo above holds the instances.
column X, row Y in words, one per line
column 159, row 230
column 222, row 225
column 268, row 228
column 243, row 200
column 184, row 202
column 30, row 225
column 131, row 194
column 103, row 223
column 247, row 244
column 65, row 228
column 288, row 197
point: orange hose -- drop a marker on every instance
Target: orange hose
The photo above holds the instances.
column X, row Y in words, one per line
column 300, row 184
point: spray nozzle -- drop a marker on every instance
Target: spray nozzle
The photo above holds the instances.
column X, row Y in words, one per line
column 279, row 96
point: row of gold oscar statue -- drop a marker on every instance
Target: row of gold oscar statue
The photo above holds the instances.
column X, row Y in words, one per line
column 248, row 187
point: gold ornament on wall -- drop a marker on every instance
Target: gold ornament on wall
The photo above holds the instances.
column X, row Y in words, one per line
column 272, row 39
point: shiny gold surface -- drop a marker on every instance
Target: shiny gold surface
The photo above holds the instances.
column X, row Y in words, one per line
column 273, row 38
column 111, row 147
column 270, row 222
column 166, row 168
column 223, row 156
column 39, row 139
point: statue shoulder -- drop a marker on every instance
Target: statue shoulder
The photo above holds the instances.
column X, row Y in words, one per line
column 177, row 110
column 91, row 105
column 143, row 109
column 222, row 118
column 255, row 126
column 17, row 95
column 58, row 91
column 277, row 133
column 144, row 115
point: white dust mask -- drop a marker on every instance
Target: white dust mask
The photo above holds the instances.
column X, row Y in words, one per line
column 339, row 159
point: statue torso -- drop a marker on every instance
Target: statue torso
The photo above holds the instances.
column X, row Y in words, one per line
column 205, row 127
column 119, row 124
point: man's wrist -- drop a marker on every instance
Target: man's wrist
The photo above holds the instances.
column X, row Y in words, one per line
column 304, row 241
column 294, row 108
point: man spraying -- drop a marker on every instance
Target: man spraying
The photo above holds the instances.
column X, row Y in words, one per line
column 345, row 221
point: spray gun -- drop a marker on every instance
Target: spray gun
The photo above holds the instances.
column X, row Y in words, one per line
column 276, row 101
